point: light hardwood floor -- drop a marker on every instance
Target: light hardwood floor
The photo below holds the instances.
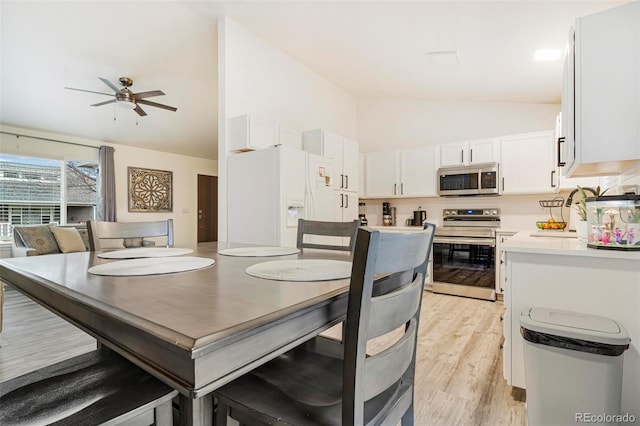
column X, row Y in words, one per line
column 458, row 372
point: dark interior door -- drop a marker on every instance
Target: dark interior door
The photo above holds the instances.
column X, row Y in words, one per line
column 207, row 208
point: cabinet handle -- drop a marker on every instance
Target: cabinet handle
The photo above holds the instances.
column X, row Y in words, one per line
column 402, row 189
column 553, row 172
column 395, row 185
column 560, row 162
column 462, row 156
column 346, row 186
column 502, row 184
column 341, row 200
column 341, row 181
column 346, row 205
column 471, row 156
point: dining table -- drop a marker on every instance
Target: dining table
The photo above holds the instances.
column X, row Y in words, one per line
column 195, row 330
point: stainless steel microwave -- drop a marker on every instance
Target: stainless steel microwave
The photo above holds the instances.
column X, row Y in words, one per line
column 469, row 180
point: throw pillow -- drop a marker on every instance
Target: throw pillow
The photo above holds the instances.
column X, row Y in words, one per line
column 40, row 238
column 69, row 239
column 111, row 243
column 133, row 242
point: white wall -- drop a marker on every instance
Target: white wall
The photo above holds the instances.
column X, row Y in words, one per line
column 185, row 188
column 185, row 173
column 258, row 79
column 263, row 81
column 411, row 123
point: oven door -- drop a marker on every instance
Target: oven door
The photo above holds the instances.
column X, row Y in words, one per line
column 464, row 267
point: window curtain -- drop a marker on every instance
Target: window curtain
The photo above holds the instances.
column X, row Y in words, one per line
column 107, row 185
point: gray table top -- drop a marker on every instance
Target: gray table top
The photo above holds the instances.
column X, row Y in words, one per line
column 190, row 308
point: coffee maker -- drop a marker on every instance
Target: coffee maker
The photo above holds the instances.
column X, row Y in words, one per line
column 386, row 215
column 362, row 211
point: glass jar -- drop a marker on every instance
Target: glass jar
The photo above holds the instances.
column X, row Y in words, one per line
column 613, row 222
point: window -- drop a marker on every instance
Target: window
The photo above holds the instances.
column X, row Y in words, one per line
column 39, row 191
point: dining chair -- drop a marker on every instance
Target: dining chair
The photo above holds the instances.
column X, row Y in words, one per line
column 325, row 382
column 94, row 388
column 128, row 231
column 327, row 229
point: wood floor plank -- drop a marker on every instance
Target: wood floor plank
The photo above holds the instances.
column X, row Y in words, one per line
column 458, row 367
column 33, row 337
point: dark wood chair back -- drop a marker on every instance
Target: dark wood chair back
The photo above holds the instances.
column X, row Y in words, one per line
column 376, row 307
column 325, row 381
column 116, row 230
column 328, row 229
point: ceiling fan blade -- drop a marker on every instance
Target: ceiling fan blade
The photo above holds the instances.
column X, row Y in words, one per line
column 140, row 111
column 148, row 94
column 104, row 103
column 157, row 105
column 110, row 84
column 90, row 91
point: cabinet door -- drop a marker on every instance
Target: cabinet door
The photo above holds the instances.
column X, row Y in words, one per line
column 452, row 154
column 350, row 165
column 246, row 133
column 528, row 163
column 417, row 172
column 483, row 151
column 381, row 174
column 607, row 56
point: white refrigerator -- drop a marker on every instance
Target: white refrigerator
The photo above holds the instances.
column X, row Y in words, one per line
column 270, row 189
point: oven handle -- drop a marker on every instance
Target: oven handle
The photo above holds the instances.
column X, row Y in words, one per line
column 491, row 242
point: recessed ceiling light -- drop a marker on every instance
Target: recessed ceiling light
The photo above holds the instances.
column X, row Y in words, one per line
column 547, row 55
column 444, row 57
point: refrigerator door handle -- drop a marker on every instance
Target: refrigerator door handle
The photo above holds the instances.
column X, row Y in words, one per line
column 341, row 181
column 346, row 185
column 341, row 200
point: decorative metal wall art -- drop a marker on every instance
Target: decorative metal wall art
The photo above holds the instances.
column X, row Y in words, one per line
column 150, row 190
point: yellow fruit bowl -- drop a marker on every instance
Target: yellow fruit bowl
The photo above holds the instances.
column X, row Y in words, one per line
column 551, row 225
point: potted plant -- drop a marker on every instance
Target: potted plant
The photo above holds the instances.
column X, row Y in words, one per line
column 581, row 209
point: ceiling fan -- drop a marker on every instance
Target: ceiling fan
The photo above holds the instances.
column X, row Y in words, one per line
column 126, row 98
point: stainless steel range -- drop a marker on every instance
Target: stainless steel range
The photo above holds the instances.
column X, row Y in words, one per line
column 464, row 253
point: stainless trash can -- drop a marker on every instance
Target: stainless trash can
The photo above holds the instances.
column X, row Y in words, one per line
column 573, row 367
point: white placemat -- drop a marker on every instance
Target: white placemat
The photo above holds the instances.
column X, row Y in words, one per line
column 134, row 253
column 259, row 251
column 301, row 270
column 151, row 266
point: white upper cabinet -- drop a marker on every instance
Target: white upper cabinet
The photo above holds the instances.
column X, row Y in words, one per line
column 528, row 163
column 418, row 172
column 343, row 153
column 382, row 174
column 466, row 153
column 246, row 133
column 406, row 173
column 606, row 93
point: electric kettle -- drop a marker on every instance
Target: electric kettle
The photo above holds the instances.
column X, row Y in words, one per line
column 419, row 216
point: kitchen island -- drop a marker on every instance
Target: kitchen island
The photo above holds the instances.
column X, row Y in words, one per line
column 562, row 273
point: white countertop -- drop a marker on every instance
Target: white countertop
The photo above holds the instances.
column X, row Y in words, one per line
column 523, row 242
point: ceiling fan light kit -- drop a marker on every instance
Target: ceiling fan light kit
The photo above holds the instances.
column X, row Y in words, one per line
column 126, row 99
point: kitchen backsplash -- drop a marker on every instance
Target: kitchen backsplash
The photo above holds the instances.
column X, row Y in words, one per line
column 517, row 211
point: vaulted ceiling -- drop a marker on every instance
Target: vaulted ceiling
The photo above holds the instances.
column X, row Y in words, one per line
column 371, row 49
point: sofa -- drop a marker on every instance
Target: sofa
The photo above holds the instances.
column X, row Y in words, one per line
column 35, row 240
